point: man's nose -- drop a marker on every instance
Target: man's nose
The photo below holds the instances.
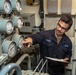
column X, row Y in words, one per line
column 60, row 28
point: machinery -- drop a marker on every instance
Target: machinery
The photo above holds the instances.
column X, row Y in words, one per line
column 15, row 59
column 11, row 42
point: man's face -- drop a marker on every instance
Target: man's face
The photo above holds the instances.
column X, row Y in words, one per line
column 61, row 28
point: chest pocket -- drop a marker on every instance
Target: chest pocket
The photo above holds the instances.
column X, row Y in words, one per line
column 65, row 48
column 48, row 43
column 62, row 51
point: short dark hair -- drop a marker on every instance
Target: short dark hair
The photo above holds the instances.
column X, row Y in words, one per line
column 67, row 19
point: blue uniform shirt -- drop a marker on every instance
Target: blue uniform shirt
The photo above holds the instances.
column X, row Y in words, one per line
column 50, row 48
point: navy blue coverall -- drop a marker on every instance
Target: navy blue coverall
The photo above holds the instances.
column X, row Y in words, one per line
column 50, row 48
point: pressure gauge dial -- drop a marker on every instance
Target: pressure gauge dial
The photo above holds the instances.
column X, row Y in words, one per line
column 18, row 5
column 6, row 26
column 9, row 47
column 18, row 39
column 9, row 27
column 21, row 39
column 20, row 23
column 7, row 7
column 17, row 21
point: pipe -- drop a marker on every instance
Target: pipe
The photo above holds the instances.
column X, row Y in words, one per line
column 9, row 68
column 37, row 66
column 42, row 66
column 22, row 58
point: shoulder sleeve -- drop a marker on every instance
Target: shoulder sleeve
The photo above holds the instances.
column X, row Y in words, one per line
column 38, row 37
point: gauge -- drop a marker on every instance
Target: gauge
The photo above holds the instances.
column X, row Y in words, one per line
column 17, row 21
column 9, row 47
column 7, row 7
column 6, row 26
column 18, row 39
column 20, row 42
column 18, row 5
column 9, row 27
column 20, row 23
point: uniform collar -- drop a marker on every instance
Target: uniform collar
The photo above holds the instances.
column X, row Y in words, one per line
column 63, row 40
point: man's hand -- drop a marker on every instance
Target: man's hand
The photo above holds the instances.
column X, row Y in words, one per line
column 27, row 42
column 66, row 59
